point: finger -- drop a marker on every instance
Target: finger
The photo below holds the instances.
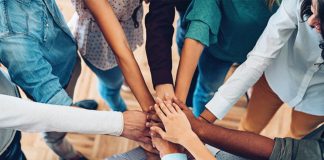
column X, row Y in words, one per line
column 151, row 110
column 177, row 108
column 158, row 100
column 146, row 132
column 167, row 97
column 180, row 104
column 170, row 107
column 145, row 140
column 151, row 124
column 154, row 134
column 159, row 112
column 165, row 109
column 159, row 131
column 153, row 117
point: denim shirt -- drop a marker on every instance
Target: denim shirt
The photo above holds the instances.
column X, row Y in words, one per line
column 38, row 48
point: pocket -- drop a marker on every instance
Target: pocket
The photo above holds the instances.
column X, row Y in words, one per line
column 28, row 17
column 4, row 29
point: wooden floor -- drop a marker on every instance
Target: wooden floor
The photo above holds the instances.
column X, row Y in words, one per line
column 100, row 146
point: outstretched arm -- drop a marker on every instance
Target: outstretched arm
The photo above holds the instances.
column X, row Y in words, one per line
column 244, row 144
column 115, row 37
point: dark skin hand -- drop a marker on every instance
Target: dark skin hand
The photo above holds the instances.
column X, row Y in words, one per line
column 240, row 143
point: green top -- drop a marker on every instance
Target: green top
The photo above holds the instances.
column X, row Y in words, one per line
column 310, row 147
column 229, row 28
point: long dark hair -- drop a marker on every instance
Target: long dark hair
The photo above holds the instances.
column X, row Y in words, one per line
column 305, row 13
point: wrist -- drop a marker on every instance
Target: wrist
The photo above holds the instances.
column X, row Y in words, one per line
column 187, row 139
column 162, row 89
column 208, row 116
column 170, row 148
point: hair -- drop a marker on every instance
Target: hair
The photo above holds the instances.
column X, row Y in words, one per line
column 305, row 13
column 270, row 3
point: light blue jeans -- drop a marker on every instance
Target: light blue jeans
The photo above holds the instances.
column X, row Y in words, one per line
column 109, row 84
column 212, row 73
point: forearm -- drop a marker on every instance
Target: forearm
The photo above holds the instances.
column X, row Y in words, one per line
column 190, row 55
column 37, row 117
column 244, row 144
column 117, row 40
column 197, row 148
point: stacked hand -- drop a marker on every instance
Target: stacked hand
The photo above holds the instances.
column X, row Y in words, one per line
column 177, row 126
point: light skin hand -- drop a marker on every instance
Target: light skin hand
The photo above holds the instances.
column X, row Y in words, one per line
column 164, row 146
column 178, row 130
column 134, row 126
column 164, row 89
column 175, row 122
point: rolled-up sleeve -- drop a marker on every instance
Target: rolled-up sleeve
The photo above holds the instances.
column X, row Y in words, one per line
column 287, row 148
column 203, row 18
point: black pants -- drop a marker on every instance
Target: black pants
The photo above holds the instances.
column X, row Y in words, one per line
column 14, row 151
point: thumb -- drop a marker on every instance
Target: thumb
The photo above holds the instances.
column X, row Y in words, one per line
column 180, row 104
column 159, row 131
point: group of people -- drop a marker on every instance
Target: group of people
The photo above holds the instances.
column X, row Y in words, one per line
column 278, row 45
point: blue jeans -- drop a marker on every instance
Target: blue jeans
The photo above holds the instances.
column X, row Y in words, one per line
column 212, row 73
column 110, row 82
column 14, row 151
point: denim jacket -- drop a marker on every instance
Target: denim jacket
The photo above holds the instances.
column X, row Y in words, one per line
column 38, row 48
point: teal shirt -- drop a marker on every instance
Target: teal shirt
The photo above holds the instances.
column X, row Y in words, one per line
column 229, row 28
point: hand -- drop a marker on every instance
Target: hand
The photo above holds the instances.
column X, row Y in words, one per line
column 164, row 91
column 195, row 123
column 164, row 146
column 177, row 126
column 134, row 126
column 152, row 116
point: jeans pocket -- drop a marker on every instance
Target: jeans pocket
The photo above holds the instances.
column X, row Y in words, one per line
column 4, row 28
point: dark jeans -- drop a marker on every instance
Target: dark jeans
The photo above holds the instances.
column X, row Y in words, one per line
column 14, row 151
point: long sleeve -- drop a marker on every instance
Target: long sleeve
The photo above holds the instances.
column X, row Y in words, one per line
column 278, row 31
column 29, row 116
column 159, row 30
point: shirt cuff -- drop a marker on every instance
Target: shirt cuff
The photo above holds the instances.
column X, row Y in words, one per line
column 199, row 31
column 175, row 156
column 116, row 127
column 219, row 106
column 61, row 98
